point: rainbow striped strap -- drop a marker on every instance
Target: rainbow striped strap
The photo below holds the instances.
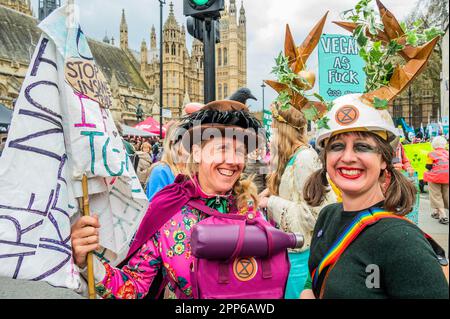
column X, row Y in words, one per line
column 364, row 219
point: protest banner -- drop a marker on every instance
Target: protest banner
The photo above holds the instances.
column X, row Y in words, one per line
column 340, row 67
column 417, row 155
column 62, row 130
column 267, row 123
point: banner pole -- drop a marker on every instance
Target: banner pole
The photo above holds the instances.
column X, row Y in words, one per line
column 90, row 257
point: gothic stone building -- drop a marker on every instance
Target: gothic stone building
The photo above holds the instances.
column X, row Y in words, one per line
column 183, row 72
column 133, row 75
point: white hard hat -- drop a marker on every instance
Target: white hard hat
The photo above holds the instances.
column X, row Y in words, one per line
column 350, row 113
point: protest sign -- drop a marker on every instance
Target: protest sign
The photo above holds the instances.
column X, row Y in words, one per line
column 267, row 123
column 340, row 67
column 417, row 155
column 61, row 130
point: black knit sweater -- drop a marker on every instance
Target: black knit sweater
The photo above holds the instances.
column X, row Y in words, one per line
column 390, row 259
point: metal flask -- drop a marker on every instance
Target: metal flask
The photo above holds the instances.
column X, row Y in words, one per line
column 213, row 241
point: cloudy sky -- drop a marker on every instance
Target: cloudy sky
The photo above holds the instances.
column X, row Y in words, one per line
column 266, row 20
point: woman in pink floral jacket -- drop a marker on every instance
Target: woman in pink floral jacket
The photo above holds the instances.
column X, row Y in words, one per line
column 163, row 239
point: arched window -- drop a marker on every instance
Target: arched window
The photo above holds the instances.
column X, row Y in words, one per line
column 220, row 92
column 225, row 91
column 167, row 48
column 219, row 55
column 174, row 49
column 225, row 56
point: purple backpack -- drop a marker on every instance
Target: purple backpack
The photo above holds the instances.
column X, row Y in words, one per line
column 261, row 275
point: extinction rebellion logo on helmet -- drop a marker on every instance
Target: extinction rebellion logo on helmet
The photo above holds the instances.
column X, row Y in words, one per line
column 347, row 115
column 245, row 269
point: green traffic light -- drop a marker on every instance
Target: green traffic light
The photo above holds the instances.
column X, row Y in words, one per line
column 200, row 2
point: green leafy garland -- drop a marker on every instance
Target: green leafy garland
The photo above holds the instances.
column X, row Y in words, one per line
column 287, row 76
column 381, row 59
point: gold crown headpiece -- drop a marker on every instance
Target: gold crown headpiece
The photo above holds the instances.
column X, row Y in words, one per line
column 416, row 57
column 296, row 60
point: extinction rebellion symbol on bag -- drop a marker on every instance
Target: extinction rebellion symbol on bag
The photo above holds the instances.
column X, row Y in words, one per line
column 245, row 269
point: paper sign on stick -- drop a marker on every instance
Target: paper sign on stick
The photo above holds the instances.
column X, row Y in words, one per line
column 62, row 129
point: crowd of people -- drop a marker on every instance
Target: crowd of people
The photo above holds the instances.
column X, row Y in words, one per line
column 327, row 221
column 317, row 195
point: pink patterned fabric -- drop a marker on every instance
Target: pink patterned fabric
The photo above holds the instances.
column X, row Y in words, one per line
column 168, row 249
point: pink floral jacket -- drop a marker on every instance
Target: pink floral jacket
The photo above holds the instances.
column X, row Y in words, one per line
column 169, row 250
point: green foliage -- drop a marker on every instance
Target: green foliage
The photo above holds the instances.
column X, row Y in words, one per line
column 418, row 35
column 380, row 104
column 328, row 104
column 323, row 123
column 380, row 58
column 284, row 100
column 282, row 70
column 287, row 76
column 310, row 113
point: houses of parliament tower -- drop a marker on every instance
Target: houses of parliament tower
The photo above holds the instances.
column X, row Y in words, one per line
column 133, row 73
column 183, row 71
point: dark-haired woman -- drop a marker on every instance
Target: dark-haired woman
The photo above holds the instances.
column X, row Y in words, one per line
column 364, row 247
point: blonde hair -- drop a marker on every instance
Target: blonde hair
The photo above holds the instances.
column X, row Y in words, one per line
column 172, row 154
column 144, row 145
column 288, row 139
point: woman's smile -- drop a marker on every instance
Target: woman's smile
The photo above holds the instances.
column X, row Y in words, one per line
column 226, row 172
column 350, row 173
column 354, row 164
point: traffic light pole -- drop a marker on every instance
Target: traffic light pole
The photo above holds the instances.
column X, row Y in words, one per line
column 161, row 60
column 209, row 57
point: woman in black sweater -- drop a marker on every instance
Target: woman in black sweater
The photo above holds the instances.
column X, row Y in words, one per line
column 364, row 247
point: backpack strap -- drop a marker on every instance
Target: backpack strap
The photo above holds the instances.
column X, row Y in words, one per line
column 201, row 206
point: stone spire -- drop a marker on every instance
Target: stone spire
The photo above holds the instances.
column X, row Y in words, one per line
column 153, row 44
column 144, row 52
column 171, row 22
column 123, row 32
column 106, row 39
column 242, row 18
column 232, row 10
